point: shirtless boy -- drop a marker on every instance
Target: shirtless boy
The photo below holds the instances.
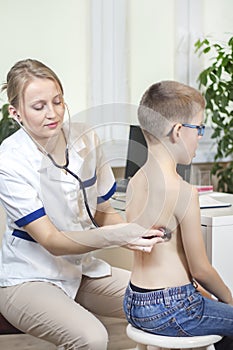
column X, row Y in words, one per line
column 162, row 296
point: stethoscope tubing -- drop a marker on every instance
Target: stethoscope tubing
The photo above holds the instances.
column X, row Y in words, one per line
column 65, row 167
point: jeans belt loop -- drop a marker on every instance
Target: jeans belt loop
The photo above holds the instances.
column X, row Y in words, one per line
column 166, row 297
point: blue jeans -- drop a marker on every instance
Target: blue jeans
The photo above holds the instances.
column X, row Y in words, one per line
column 178, row 312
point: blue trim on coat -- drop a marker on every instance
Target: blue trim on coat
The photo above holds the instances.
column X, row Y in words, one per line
column 90, row 182
column 30, row 217
column 108, row 195
column 23, row 235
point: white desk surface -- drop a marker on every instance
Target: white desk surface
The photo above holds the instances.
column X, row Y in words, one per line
column 218, row 216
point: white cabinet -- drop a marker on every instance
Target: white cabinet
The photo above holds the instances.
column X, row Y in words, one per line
column 217, row 228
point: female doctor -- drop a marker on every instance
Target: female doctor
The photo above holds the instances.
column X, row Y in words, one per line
column 50, row 285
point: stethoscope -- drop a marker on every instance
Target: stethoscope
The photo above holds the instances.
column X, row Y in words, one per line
column 166, row 232
column 62, row 167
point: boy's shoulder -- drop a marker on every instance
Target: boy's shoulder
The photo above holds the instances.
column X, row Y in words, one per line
column 139, row 180
column 136, row 185
column 188, row 198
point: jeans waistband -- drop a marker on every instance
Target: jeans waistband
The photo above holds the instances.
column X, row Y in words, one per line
column 164, row 295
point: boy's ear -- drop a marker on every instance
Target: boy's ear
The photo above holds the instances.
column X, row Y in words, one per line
column 175, row 135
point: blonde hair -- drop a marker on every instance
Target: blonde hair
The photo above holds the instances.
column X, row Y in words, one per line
column 21, row 74
column 165, row 103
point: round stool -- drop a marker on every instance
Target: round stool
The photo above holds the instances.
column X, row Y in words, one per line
column 143, row 339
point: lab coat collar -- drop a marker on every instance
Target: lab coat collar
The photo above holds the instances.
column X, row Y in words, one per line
column 23, row 144
column 76, row 147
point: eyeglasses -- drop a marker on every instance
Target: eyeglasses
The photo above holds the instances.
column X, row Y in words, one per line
column 200, row 128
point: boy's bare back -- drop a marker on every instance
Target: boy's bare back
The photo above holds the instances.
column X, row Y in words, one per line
column 158, row 197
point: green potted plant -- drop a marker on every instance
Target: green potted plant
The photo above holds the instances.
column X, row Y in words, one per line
column 7, row 125
column 216, row 83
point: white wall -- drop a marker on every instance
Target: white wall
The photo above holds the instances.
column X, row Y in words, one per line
column 55, row 32
column 162, row 36
column 218, row 22
column 58, row 32
column 151, row 44
column 218, row 18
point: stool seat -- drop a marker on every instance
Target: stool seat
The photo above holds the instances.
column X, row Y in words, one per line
column 142, row 337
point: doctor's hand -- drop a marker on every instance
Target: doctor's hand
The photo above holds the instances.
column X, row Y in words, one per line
column 146, row 243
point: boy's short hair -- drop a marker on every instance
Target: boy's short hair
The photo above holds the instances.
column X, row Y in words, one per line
column 166, row 103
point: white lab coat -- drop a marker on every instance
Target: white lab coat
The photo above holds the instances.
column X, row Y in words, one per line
column 30, row 187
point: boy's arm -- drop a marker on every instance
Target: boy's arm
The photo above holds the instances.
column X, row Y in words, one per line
column 133, row 200
column 199, row 265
